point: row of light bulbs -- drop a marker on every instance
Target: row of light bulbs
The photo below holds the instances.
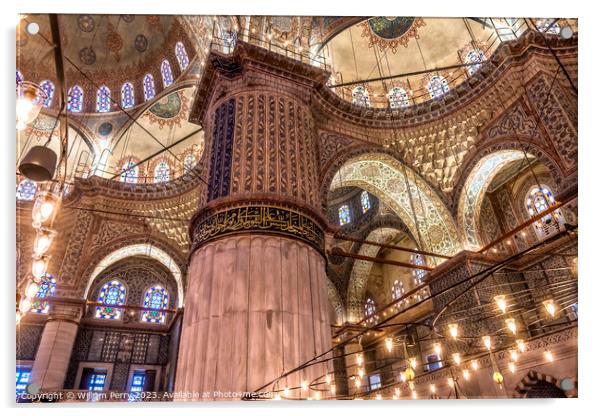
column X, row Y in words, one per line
column 44, row 211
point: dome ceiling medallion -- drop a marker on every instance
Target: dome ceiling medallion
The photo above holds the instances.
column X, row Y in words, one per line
column 391, row 32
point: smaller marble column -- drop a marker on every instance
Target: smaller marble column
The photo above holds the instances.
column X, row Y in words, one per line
column 54, row 352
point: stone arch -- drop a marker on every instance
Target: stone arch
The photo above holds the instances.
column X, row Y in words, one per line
column 133, row 247
column 478, row 173
column 533, row 379
column 421, row 209
column 360, row 272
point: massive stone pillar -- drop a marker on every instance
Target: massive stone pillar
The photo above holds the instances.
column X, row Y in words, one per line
column 54, row 352
column 256, row 302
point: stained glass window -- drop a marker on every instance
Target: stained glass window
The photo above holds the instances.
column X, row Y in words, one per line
column 365, row 200
column 369, row 307
column 437, row 86
column 166, row 73
column 48, row 88
column 111, row 293
column 23, row 376
column 229, row 41
column 182, row 56
column 127, row 95
column 189, row 162
column 398, row 98
column 344, row 215
column 397, row 290
column 129, row 175
column 539, row 200
column 75, row 99
column 549, row 26
column 155, row 298
column 162, row 172
column 19, row 77
column 26, row 190
column 418, row 274
column 149, row 87
column 475, row 57
column 360, row 96
column 46, row 289
column 103, row 99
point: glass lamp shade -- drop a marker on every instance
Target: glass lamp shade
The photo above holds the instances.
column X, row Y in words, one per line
column 32, row 289
column 43, row 241
column 44, row 209
column 38, row 164
column 30, row 98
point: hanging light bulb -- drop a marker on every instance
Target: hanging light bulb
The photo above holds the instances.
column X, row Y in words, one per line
column 549, row 356
column 379, row 396
column 466, row 374
column 333, row 389
column 44, row 208
column 413, row 363
column 32, row 289
column 358, row 382
column 389, row 344
column 474, row 364
column 359, row 359
column 397, row 391
column 304, row 385
column 361, row 372
column 511, row 324
column 317, row 395
column 450, row 382
column 501, row 302
column 414, row 395
column 25, row 305
column 285, row 391
column 410, row 374
column 550, row 307
column 521, row 345
column 30, row 98
column 487, row 341
column 456, row 358
column 437, row 349
column 328, row 379
column 513, row 355
column 453, row 330
column 402, row 376
column 43, row 241
column 512, row 368
column 39, row 265
column 411, row 385
column 433, row 388
column 277, row 396
column 498, row 378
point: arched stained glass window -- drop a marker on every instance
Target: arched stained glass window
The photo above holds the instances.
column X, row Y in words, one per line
column 369, row 307
column 548, row 26
column 360, row 96
column 418, row 274
column 48, row 88
column 155, row 298
column 47, row 288
column 75, row 99
column 166, row 73
column 129, row 175
column 476, row 57
column 539, row 200
column 26, row 190
column 182, row 56
column 397, row 290
column 111, row 293
column 229, row 41
column 189, row 162
column 19, row 77
column 365, row 200
column 437, row 86
column 398, row 98
column 344, row 215
column 162, row 172
column 103, row 99
column 127, row 95
column 149, row 87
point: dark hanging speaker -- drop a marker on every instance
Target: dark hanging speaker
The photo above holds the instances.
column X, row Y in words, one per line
column 38, row 164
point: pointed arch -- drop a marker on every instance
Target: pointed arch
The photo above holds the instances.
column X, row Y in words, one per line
column 422, row 210
column 48, row 88
column 149, row 87
column 181, row 56
column 166, row 73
